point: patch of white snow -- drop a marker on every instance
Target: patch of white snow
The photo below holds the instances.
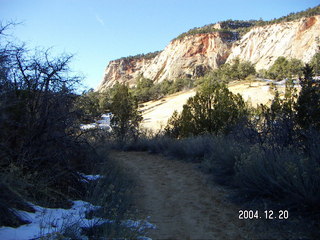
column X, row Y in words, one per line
column 50, row 220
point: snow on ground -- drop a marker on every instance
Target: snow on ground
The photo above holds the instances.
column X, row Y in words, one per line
column 103, row 123
column 143, row 238
column 90, row 177
column 88, row 126
column 51, row 221
column 139, row 225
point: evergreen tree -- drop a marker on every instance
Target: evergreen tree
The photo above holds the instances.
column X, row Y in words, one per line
column 315, row 64
column 308, row 104
column 88, row 104
column 237, row 70
column 279, row 69
column 144, row 90
column 126, row 118
column 214, row 109
column 284, row 68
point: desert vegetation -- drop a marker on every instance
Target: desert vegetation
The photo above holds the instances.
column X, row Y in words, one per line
column 45, row 158
column 268, row 155
column 238, row 28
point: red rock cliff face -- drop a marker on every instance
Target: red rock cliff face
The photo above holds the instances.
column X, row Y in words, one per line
column 186, row 57
column 182, row 57
column 192, row 55
column 123, row 71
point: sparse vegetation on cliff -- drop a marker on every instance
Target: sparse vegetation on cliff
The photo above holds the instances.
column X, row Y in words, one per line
column 234, row 28
column 293, row 16
column 149, row 55
column 239, row 27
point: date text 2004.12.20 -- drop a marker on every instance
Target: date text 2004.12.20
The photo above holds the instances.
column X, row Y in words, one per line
column 267, row 214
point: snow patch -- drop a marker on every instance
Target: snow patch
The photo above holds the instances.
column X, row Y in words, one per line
column 88, row 178
column 51, row 220
column 88, row 126
column 139, row 225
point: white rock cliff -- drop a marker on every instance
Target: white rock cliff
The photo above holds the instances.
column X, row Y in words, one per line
column 193, row 55
column 263, row 45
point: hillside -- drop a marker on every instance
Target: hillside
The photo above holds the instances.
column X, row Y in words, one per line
column 194, row 53
column 156, row 113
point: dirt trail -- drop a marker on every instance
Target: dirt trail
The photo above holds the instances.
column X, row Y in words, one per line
column 180, row 203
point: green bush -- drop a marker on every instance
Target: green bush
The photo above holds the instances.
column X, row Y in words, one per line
column 284, row 68
column 144, row 90
column 213, row 110
column 237, row 70
column 315, row 64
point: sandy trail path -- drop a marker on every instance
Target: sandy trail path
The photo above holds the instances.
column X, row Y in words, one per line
column 179, row 201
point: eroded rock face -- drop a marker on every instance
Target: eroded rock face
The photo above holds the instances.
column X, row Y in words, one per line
column 123, row 71
column 194, row 55
column 190, row 56
column 263, row 45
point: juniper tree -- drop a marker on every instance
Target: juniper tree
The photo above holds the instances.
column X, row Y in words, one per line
column 126, row 117
column 308, row 104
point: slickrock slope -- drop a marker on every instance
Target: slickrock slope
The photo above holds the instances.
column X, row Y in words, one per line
column 263, row 45
column 192, row 55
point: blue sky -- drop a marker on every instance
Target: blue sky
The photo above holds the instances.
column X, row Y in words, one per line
column 98, row 31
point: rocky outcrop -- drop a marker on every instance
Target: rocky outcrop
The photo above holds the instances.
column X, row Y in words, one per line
column 190, row 56
column 263, row 45
column 193, row 55
column 125, row 70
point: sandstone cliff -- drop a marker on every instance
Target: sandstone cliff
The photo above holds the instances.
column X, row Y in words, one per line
column 193, row 55
column 186, row 57
column 125, row 70
column 190, row 56
column 263, row 45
